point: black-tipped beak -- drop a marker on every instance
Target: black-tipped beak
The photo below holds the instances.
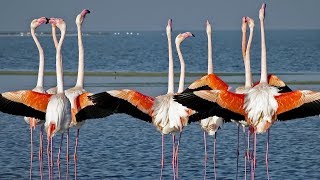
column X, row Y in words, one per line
column 47, row 20
column 193, row 35
column 88, row 11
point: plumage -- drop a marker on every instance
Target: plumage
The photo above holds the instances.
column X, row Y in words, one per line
column 208, row 82
column 126, row 101
column 24, row 103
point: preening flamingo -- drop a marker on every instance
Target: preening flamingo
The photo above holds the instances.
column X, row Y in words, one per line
column 74, row 92
column 39, row 88
column 261, row 106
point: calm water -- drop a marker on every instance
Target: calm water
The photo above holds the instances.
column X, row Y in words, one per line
column 148, row 52
column 121, row 147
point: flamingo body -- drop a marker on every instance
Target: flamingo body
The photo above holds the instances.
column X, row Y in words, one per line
column 58, row 113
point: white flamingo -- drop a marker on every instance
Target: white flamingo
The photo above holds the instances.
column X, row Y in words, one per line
column 39, row 88
column 58, row 113
column 74, row 92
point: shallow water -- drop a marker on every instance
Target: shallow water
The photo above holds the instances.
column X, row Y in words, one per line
column 121, row 147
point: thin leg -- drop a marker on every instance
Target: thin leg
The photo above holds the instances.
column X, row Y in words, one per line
column 59, row 153
column 48, row 154
column 52, row 164
column 177, row 152
column 31, row 152
column 41, row 152
column 173, row 155
column 267, row 152
column 205, row 154
column 245, row 156
column 162, row 156
column 214, row 155
column 238, row 152
column 67, row 155
column 255, row 151
column 75, row 155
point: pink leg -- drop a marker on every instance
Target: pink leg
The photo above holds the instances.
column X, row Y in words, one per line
column 245, row 156
column 253, row 161
column 41, row 152
column 52, row 164
column 177, row 151
column 173, row 155
column 162, row 155
column 214, row 155
column 255, row 151
column 67, row 156
column 267, row 152
column 31, row 152
column 238, row 152
column 75, row 155
column 48, row 154
column 205, row 154
column 59, row 153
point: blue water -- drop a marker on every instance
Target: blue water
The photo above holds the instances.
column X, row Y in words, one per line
column 121, row 147
column 147, row 52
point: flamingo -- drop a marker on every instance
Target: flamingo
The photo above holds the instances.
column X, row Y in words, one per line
column 248, row 78
column 261, row 106
column 58, row 110
column 210, row 125
column 78, row 89
column 173, row 106
column 39, row 88
column 161, row 110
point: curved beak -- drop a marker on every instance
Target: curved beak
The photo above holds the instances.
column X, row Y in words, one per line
column 47, row 20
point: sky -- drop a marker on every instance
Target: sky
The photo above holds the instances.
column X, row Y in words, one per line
column 122, row 15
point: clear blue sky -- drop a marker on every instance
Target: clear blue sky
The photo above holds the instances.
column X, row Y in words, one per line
column 114, row 15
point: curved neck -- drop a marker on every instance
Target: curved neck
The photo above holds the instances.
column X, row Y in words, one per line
column 210, row 66
column 182, row 69
column 170, row 73
column 81, row 59
column 54, row 37
column 59, row 67
column 263, row 78
column 41, row 59
column 248, row 74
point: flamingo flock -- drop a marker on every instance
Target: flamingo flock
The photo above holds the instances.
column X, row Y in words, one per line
column 209, row 101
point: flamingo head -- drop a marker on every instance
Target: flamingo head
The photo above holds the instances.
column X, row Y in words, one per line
column 182, row 36
column 262, row 11
column 208, row 27
column 244, row 24
column 58, row 22
column 81, row 16
column 169, row 27
column 37, row 22
column 250, row 22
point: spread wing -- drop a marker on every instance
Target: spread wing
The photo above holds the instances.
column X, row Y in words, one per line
column 25, row 103
column 126, row 101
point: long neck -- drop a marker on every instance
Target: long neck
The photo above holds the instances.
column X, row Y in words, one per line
column 54, row 37
column 243, row 44
column 59, row 68
column 263, row 78
column 170, row 73
column 248, row 74
column 182, row 69
column 41, row 59
column 210, row 66
column 81, row 59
